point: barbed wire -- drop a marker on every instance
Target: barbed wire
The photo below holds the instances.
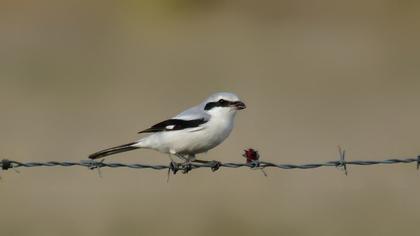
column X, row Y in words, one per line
column 252, row 161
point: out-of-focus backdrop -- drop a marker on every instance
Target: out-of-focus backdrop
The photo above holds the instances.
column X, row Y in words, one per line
column 79, row 76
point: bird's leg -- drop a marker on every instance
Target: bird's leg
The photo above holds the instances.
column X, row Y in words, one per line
column 184, row 158
column 215, row 165
column 172, row 159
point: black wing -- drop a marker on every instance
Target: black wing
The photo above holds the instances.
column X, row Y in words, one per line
column 174, row 124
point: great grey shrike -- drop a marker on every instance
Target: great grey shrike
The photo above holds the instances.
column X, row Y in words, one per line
column 196, row 130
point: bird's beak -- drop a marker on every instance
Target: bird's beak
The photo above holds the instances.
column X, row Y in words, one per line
column 239, row 105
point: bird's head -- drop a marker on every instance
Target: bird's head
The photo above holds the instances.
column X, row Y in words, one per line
column 223, row 104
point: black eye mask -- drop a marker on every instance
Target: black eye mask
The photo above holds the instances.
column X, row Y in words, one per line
column 220, row 103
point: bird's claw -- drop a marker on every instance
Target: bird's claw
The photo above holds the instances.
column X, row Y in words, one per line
column 186, row 167
column 174, row 167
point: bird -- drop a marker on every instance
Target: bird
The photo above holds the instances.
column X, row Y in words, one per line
column 191, row 132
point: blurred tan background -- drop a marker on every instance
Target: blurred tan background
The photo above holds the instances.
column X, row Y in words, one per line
column 78, row 76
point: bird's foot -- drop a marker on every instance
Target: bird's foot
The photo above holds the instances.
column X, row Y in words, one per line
column 186, row 167
column 174, row 167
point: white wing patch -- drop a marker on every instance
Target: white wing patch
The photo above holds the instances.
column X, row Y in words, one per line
column 170, row 127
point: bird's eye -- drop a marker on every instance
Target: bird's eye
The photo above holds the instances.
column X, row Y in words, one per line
column 222, row 101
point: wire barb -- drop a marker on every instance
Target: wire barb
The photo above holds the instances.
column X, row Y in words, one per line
column 215, row 165
column 92, row 165
column 253, row 158
column 6, row 164
column 342, row 162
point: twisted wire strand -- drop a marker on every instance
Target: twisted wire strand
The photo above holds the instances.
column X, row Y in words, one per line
column 254, row 164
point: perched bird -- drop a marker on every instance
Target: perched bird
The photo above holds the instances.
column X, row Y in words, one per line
column 196, row 130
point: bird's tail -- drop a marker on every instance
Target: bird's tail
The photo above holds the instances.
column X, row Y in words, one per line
column 113, row 150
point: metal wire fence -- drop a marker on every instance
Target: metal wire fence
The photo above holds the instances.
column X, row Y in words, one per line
column 252, row 161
